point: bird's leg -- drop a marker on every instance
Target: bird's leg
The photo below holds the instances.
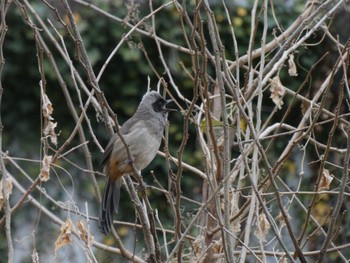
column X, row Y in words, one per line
column 141, row 186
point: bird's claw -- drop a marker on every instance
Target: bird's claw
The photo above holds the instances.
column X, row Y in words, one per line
column 141, row 187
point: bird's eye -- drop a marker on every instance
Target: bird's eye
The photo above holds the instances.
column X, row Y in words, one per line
column 158, row 106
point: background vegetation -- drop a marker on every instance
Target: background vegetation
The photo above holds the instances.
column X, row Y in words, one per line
column 253, row 165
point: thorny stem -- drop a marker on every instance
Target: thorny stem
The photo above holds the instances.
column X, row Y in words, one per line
column 3, row 173
column 313, row 200
column 219, row 56
column 343, row 183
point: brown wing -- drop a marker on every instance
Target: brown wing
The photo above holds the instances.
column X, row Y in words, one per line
column 108, row 150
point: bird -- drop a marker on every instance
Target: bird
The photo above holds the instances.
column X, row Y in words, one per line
column 143, row 134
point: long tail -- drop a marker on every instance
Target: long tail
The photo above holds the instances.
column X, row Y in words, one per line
column 109, row 204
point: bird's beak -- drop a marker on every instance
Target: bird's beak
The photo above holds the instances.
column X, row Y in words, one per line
column 169, row 109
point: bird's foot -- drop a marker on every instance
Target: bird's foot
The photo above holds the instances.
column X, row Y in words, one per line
column 140, row 187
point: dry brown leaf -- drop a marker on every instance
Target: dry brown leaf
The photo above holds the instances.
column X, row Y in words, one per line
column 46, row 103
column 217, row 246
column 35, row 256
column 292, row 69
column 283, row 259
column 264, row 226
column 83, row 233
column 325, row 181
column 277, row 91
column 47, row 106
column 281, row 220
column 45, row 169
column 8, row 191
column 65, row 236
column 197, row 248
column 50, row 131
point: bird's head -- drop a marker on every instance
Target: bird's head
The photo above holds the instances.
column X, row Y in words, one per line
column 155, row 103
